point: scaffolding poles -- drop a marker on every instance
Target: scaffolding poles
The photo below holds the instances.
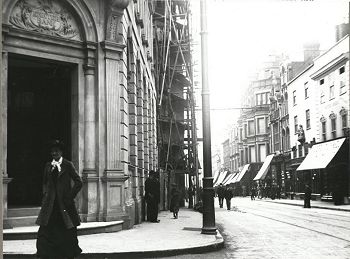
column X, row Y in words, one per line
column 173, row 73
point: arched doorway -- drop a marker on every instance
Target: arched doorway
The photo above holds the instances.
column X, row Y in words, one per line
column 39, row 109
column 49, row 51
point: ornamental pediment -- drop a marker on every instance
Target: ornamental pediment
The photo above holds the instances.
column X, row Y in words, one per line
column 45, row 16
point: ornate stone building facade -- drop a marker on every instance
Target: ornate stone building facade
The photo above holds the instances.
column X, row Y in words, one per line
column 80, row 71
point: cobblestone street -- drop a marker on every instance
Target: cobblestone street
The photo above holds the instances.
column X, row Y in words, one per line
column 260, row 229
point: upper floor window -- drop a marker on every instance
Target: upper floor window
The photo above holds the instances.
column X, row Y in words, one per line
column 322, row 99
column 300, row 150
column 261, row 98
column 342, row 88
column 261, row 126
column 323, row 125
column 331, row 92
column 321, row 81
column 295, row 124
column 251, row 130
column 307, row 115
column 294, row 97
column 334, row 127
column 306, row 90
column 341, row 70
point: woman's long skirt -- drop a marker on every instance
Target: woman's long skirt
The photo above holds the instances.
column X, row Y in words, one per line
column 55, row 240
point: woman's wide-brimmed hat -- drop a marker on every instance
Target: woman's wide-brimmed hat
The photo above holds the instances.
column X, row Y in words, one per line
column 56, row 144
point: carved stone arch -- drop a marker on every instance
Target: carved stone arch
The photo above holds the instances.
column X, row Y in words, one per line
column 77, row 8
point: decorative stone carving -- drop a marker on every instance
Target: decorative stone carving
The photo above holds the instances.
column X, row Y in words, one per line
column 44, row 16
column 343, row 111
column 332, row 116
column 115, row 14
column 322, row 119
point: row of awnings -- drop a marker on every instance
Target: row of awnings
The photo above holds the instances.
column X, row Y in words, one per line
column 319, row 156
column 225, row 177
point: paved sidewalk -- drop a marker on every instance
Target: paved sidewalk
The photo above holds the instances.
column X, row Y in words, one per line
column 314, row 204
column 168, row 237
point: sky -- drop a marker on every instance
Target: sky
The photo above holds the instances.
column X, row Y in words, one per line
column 241, row 34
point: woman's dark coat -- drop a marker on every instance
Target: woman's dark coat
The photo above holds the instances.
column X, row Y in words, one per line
column 65, row 194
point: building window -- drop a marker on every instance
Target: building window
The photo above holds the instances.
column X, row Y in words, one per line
column 245, row 131
column 334, row 127
column 321, row 81
column 300, row 150
column 306, row 90
column 331, row 92
column 324, row 131
column 251, row 130
column 341, row 70
column 322, row 96
column 276, row 137
column 344, row 123
column 252, row 154
column 306, row 148
column 240, row 134
column 342, row 88
column 294, row 97
column 262, row 152
column 295, row 124
column 307, row 115
column 261, row 125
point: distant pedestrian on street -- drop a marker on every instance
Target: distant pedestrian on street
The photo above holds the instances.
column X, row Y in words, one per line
column 307, row 196
column 228, row 193
column 252, row 193
column 221, row 194
column 175, row 200
column 152, row 196
column 58, row 218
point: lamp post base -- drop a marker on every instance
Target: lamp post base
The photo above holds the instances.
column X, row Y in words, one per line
column 209, row 231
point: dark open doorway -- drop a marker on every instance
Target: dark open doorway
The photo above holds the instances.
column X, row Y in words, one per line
column 39, row 110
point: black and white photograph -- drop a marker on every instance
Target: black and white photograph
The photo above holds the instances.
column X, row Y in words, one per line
column 182, row 129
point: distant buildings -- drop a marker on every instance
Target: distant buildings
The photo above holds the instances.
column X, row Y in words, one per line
column 289, row 110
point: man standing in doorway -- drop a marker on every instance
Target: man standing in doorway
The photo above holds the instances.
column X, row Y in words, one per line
column 152, row 196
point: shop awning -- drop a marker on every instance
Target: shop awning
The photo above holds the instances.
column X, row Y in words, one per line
column 320, row 155
column 228, row 178
column 264, row 168
column 242, row 173
column 221, row 177
column 232, row 179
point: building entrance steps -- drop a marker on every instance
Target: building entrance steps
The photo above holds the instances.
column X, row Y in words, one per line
column 88, row 228
column 168, row 237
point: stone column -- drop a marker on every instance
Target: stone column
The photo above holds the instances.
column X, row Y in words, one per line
column 90, row 174
column 3, row 95
column 140, row 143
column 132, row 102
column 150, row 129
column 114, row 176
column 146, row 125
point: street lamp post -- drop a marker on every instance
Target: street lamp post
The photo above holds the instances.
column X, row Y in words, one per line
column 208, row 190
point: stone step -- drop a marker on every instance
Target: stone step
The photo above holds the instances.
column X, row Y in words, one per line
column 88, row 228
column 23, row 211
column 14, row 222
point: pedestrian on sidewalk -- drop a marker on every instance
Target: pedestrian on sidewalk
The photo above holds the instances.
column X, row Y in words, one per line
column 307, row 196
column 152, row 196
column 175, row 200
column 58, row 218
column 228, row 193
column 221, row 194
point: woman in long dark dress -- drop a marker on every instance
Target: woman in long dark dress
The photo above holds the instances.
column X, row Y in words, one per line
column 58, row 217
column 175, row 201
